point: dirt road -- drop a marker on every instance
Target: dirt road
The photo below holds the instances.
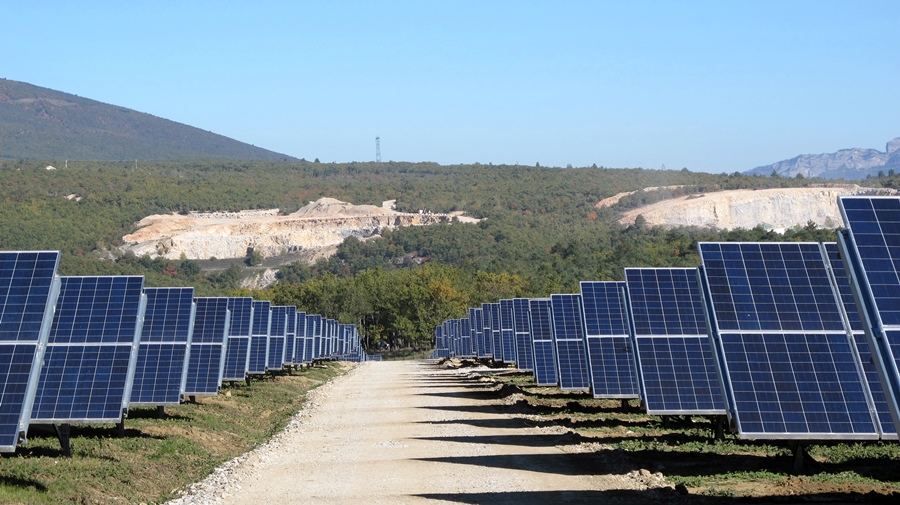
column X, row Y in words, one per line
column 412, row 432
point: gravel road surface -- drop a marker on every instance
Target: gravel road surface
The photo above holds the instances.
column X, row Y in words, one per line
column 414, row 432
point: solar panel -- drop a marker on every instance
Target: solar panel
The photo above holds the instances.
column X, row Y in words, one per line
column 541, row 327
column 869, row 247
column 676, row 369
column 496, row 336
column 300, row 346
column 159, row 378
column 487, row 336
column 277, row 338
column 28, row 291
column 568, row 336
column 466, row 347
column 237, row 346
column 206, row 355
column 507, row 331
column 524, row 351
column 476, row 327
column 259, row 337
column 313, row 334
column 609, row 349
column 89, row 364
column 855, row 325
column 290, row 341
column 788, row 366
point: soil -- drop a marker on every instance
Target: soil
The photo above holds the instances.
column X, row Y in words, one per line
column 421, row 432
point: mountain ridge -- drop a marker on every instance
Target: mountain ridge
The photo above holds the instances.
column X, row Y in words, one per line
column 853, row 163
column 42, row 123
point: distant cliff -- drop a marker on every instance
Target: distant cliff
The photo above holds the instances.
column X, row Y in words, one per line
column 852, row 164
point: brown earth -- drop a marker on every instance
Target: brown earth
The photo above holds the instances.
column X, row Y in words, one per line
column 418, row 432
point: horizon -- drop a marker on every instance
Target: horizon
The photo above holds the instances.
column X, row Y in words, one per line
column 705, row 86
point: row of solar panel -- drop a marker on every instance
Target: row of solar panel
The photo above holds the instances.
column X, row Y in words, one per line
column 85, row 349
column 789, row 340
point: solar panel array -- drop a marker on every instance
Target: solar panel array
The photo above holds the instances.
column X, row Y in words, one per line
column 86, row 349
column 29, row 287
column 796, row 341
column 676, row 370
column 608, row 345
column 507, row 332
column 159, row 377
column 277, row 338
column 259, row 337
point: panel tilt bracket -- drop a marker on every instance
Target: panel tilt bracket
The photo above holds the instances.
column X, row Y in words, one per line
column 63, row 433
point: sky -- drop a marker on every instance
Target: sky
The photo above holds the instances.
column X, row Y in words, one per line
column 718, row 86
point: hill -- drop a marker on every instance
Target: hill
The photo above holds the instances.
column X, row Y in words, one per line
column 40, row 123
column 849, row 164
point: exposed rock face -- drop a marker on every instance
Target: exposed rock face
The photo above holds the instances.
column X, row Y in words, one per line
column 321, row 224
column 778, row 209
column 846, row 163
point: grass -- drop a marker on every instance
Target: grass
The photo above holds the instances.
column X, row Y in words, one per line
column 683, row 449
column 156, row 457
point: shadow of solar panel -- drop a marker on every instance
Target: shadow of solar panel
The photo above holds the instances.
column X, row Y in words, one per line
column 160, row 374
column 609, row 351
column 568, row 337
column 90, row 361
column 237, row 345
column 28, row 292
column 869, row 248
column 676, row 370
column 524, row 348
column 544, row 353
column 787, row 362
column 206, row 360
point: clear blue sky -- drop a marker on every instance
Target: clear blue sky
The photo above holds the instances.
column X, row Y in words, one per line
column 714, row 86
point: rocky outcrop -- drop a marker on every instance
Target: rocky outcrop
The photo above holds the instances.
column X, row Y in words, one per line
column 778, row 209
column 321, row 224
column 846, row 163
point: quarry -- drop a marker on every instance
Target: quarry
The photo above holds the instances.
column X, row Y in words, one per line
column 321, row 224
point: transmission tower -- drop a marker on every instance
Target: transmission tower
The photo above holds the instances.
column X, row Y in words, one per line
column 377, row 149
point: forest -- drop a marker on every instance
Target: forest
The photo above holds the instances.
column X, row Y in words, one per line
column 540, row 232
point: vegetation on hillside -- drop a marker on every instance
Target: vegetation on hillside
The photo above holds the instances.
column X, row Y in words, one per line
column 541, row 231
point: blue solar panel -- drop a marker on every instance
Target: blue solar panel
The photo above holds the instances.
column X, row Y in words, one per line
column 159, row 378
column 237, row 346
column 568, row 336
column 313, row 333
column 300, row 347
column 676, row 369
column 206, row 359
column 28, row 292
column 507, row 331
column 842, row 281
column 290, row 342
column 487, row 334
column 871, row 250
column 541, row 328
column 259, row 337
column 90, row 360
column 277, row 338
column 524, row 350
column 496, row 335
column 787, row 362
column 609, row 349
column 475, row 329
